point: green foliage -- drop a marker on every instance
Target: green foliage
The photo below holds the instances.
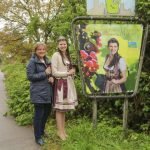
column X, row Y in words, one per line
column 18, row 93
column 34, row 25
column 143, row 12
column 105, row 137
column 140, row 106
column 70, row 10
column 142, row 9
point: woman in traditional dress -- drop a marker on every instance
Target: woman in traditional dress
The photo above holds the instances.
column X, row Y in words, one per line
column 65, row 97
column 115, row 68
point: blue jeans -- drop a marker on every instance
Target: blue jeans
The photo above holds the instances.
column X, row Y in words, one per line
column 41, row 113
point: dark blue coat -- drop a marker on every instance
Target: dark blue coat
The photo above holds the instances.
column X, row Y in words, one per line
column 40, row 88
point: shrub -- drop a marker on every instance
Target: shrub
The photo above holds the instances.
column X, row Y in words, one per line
column 17, row 87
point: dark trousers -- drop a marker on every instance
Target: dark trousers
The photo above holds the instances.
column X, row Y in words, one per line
column 41, row 113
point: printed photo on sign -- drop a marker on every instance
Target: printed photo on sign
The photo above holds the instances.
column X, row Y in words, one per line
column 109, row 56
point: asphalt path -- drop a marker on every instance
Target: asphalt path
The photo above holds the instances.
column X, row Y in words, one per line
column 12, row 136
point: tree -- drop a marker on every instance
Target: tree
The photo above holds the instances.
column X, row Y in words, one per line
column 41, row 20
column 26, row 22
column 31, row 18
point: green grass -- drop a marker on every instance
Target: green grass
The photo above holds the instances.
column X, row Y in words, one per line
column 82, row 136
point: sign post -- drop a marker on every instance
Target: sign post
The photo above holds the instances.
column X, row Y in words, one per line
column 94, row 113
column 125, row 117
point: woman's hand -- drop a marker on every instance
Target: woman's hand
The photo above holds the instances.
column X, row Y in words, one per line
column 51, row 80
column 71, row 71
column 115, row 81
column 120, row 81
column 48, row 71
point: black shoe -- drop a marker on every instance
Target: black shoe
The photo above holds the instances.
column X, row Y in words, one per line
column 39, row 141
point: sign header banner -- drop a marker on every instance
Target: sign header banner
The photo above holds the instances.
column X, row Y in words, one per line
column 111, row 7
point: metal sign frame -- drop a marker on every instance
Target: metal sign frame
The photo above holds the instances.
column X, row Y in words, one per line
column 143, row 45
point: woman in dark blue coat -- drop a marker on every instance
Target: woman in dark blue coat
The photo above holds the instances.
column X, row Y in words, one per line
column 39, row 75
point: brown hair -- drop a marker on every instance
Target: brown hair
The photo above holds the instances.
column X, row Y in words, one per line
column 116, row 57
column 62, row 38
column 113, row 40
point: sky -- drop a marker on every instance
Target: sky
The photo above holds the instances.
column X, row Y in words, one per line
column 1, row 24
column 129, row 3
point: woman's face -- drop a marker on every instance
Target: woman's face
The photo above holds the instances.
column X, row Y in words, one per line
column 113, row 47
column 41, row 51
column 62, row 45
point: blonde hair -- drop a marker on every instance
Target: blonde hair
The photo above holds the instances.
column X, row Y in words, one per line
column 39, row 44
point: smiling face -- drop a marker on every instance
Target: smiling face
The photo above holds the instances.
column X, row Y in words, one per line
column 40, row 50
column 113, row 47
column 62, row 46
